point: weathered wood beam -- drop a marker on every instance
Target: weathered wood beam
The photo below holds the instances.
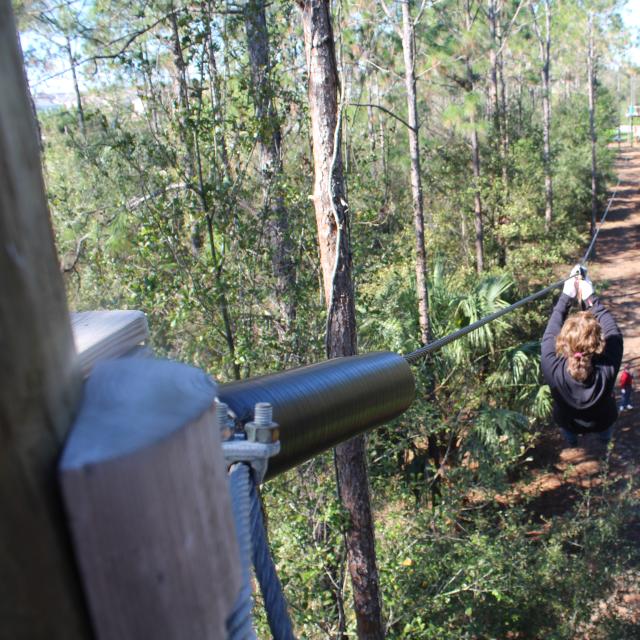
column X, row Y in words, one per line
column 145, row 486
column 40, row 381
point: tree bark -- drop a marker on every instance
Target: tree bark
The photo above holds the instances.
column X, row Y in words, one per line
column 183, row 99
column 76, row 87
column 222, row 299
column 221, row 152
column 40, row 382
column 270, row 143
column 477, row 201
column 495, row 77
column 494, row 95
column 504, row 113
column 592, row 129
column 475, row 156
column 332, row 218
column 545, row 58
column 408, row 49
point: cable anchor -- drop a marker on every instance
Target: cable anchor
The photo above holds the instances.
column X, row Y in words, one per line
column 259, row 441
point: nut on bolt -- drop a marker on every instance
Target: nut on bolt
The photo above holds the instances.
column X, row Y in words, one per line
column 263, row 429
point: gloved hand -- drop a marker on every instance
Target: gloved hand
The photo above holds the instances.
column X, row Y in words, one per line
column 585, row 289
column 578, row 270
column 570, row 286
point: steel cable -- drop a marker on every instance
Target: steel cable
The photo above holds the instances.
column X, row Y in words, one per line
column 240, row 622
column 274, row 601
column 254, row 550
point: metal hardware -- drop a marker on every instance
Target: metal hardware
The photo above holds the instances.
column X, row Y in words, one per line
column 258, row 444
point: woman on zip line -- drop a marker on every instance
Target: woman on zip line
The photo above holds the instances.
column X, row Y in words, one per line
column 581, row 356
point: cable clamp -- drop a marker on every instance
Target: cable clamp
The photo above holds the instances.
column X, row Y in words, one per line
column 259, row 441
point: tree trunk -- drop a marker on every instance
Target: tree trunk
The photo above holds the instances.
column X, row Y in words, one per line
column 372, row 136
column 380, row 161
column 76, row 88
column 475, row 156
column 408, row 49
column 269, row 143
column 32, row 102
column 504, row 114
column 221, row 153
column 545, row 58
column 333, row 233
column 183, row 99
column 546, row 113
column 40, row 382
column 494, row 97
column 520, row 86
column 592, row 129
column 477, row 201
column 222, row 299
column 499, row 146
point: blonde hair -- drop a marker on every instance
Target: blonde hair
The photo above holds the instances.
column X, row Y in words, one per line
column 578, row 341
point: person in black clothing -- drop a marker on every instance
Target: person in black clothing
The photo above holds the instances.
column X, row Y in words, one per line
column 581, row 356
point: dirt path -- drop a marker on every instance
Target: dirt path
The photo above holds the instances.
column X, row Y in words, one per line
column 617, row 262
column 560, row 473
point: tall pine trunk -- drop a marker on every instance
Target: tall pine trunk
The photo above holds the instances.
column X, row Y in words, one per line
column 182, row 91
column 546, row 123
column 332, row 217
column 494, row 95
column 592, row 128
column 477, row 200
column 495, row 105
column 221, row 157
column 408, row 49
column 475, row 155
column 76, row 87
column 504, row 113
column 269, row 144
column 545, row 71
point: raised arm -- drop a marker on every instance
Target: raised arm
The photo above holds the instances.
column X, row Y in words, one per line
column 549, row 360
column 613, row 336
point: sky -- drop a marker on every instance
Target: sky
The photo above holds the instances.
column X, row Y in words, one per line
column 62, row 83
column 631, row 18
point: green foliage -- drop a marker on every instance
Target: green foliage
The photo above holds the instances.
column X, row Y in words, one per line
column 519, row 371
column 477, row 572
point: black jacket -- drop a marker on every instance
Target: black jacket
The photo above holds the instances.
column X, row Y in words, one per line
column 587, row 406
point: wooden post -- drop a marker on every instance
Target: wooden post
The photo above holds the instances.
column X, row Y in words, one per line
column 145, row 487
column 39, row 381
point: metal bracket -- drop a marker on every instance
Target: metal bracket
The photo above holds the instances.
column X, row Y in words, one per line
column 256, row 445
column 254, row 454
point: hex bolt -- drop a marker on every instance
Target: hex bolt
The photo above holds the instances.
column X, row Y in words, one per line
column 222, row 421
column 263, row 414
column 263, row 429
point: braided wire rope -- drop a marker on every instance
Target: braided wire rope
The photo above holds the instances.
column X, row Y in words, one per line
column 274, row 601
column 240, row 622
column 254, row 548
column 414, row 356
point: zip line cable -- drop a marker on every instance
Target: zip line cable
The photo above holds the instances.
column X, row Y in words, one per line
column 414, row 356
column 604, row 217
